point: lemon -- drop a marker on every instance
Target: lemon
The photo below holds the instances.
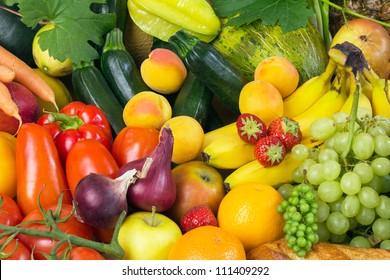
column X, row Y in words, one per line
column 47, row 63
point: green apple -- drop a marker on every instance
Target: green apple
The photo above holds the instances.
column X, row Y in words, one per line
column 147, row 236
column 196, row 183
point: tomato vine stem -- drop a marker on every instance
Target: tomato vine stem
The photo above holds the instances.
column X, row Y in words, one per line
column 112, row 249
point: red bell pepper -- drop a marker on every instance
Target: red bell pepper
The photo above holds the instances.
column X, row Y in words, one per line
column 74, row 122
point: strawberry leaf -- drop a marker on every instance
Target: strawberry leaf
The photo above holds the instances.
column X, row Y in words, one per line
column 289, row 14
column 75, row 27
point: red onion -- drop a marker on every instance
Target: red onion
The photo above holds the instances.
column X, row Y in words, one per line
column 99, row 200
column 158, row 187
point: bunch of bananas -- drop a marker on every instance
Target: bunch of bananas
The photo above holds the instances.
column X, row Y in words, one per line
column 333, row 91
column 321, row 96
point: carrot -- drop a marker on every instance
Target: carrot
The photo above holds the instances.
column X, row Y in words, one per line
column 8, row 105
column 7, row 75
column 26, row 76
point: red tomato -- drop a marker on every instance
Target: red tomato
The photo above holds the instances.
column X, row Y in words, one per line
column 88, row 156
column 21, row 252
column 133, row 143
column 10, row 212
column 82, row 253
column 41, row 245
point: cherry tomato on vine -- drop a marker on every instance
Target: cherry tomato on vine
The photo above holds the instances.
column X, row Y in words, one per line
column 10, row 213
column 14, row 250
column 81, row 253
column 133, row 143
column 41, row 245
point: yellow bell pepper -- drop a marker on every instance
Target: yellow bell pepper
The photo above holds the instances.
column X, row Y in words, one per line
column 163, row 18
column 7, row 164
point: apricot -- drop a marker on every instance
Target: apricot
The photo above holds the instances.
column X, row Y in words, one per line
column 280, row 72
column 262, row 99
column 163, row 71
column 147, row 109
column 188, row 138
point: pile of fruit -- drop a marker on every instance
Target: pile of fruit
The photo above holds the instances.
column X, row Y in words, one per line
column 199, row 150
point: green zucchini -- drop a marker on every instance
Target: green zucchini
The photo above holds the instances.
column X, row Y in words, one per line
column 119, row 68
column 218, row 74
column 15, row 36
column 245, row 46
column 157, row 43
column 214, row 120
column 194, row 99
column 118, row 7
column 90, row 87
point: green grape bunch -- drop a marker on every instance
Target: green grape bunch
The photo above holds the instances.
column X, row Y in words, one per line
column 299, row 209
column 350, row 177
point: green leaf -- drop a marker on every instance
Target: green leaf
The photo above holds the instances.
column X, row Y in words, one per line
column 289, row 14
column 75, row 27
column 9, row 2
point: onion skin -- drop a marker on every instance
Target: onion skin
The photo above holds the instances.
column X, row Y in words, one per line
column 158, row 187
column 99, row 200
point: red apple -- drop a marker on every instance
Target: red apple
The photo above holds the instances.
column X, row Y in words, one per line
column 373, row 40
column 196, row 183
column 27, row 104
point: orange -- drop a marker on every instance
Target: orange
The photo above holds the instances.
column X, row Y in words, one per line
column 207, row 243
column 249, row 211
column 262, row 99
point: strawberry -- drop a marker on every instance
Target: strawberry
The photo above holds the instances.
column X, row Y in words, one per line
column 287, row 130
column 269, row 151
column 250, row 128
column 197, row 216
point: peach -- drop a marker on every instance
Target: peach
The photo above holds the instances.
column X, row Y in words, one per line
column 280, row 72
column 262, row 99
column 163, row 71
column 147, row 109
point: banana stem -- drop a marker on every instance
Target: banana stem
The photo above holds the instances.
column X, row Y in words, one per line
column 352, row 118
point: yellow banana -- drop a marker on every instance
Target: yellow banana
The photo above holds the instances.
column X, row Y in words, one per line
column 228, row 152
column 363, row 101
column 275, row 175
column 309, row 92
column 366, row 87
column 326, row 106
column 380, row 98
column 215, row 134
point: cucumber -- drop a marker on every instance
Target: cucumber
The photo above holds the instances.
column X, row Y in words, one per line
column 90, row 87
column 214, row 120
column 217, row 73
column 245, row 46
column 15, row 36
column 157, row 43
column 194, row 99
column 119, row 68
column 118, row 7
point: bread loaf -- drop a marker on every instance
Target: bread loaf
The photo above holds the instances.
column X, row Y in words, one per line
column 278, row 250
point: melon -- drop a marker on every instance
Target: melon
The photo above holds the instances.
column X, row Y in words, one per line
column 245, row 46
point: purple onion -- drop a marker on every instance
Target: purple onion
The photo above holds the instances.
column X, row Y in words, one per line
column 158, row 187
column 99, row 200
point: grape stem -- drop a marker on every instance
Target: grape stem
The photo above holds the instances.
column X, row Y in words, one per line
column 352, row 118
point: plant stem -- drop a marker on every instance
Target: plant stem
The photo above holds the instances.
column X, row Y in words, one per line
column 113, row 248
column 352, row 117
column 351, row 12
